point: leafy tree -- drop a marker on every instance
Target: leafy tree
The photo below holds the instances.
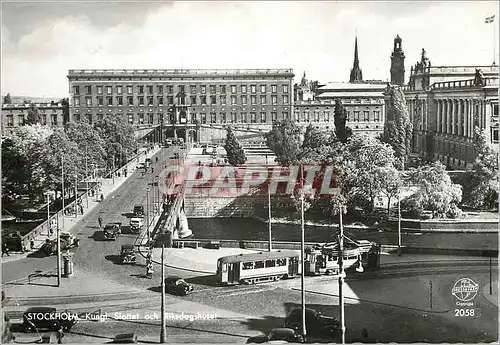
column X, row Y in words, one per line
column 367, row 163
column 389, row 183
column 119, row 138
column 284, row 141
column 21, row 160
column 7, row 99
column 477, row 183
column 89, row 142
column 235, row 153
column 398, row 128
column 341, row 130
column 34, row 116
column 58, row 150
column 65, row 104
column 435, row 192
column 315, row 146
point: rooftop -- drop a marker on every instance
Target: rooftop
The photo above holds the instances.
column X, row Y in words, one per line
column 28, row 105
column 177, row 72
column 339, row 86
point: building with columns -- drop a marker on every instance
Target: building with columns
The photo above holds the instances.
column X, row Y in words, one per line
column 445, row 102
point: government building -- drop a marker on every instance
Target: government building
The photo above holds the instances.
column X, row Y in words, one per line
column 363, row 101
column 191, row 103
column 445, row 102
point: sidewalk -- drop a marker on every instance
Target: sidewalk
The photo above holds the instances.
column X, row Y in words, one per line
column 108, row 187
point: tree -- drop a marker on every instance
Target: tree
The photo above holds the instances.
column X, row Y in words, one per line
column 235, row 153
column 119, row 138
column 65, row 105
column 34, row 116
column 284, row 140
column 21, row 160
column 398, row 128
column 89, row 142
column 315, row 146
column 7, row 99
column 389, row 183
column 368, row 162
column 477, row 182
column 435, row 192
column 341, row 130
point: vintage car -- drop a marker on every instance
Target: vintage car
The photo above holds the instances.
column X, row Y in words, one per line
column 138, row 211
column 148, row 162
column 67, row 241
column 277, row 336
column 127, row 254
column 178, row 286
column 36, row 318
column 135, row 225
column 317, row 325
column 127, row 338
column 112, row 230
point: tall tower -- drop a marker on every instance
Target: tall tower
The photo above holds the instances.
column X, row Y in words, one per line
column 397, row 63
column 356, row 74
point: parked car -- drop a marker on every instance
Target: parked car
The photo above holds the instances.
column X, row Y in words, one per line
column 36, row 318
column 277, row 336
column 316, row 323
column 13, row 240
column 112, row 230
column 141, row 166
column 178, row 286
column 148, row 162
column 135, row 225
column 128, row 338
column 138, row 211
column 67, row 241
column 127, row 254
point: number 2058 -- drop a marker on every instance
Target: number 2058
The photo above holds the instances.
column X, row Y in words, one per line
column 466, row 312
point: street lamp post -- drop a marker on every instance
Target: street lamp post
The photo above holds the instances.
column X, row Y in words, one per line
column 399, row 223
column 86, row 179
column 147, row 217
column 76, row 196
column 269, row 203
column 48, row 214
column 302, row 282
column 163, row 332
column 341, row 276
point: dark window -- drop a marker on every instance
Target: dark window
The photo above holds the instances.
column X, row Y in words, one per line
column 193, row 100
column 130, row 100
column 203, row 100
column 150, row 88
column 160, row 100
column 270, row 263
column 150, row 100
column 281, row 262
column 213, row 99
column 248, row 265
column 141, row 89
column 76, row 90
column 259, row 264
column 223, row 89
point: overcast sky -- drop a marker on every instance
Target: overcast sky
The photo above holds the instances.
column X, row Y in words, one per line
column 42, row 41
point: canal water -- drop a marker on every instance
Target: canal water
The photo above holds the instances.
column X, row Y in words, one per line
column 253, row 229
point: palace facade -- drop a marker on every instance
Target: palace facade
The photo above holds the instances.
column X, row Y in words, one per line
column 183, row 99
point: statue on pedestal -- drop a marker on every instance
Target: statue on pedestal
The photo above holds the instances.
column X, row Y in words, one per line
column 479, row 79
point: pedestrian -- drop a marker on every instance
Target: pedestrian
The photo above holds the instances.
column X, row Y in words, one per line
column 156, row 159
column 60, row 335
column 5, row 249
column 51, row 231
column 32, row 245
column 102, row 197
column 81, row 208
column 100, row 222
column 152, row 170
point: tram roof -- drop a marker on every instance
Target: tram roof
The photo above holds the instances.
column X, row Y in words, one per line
column 277, row 254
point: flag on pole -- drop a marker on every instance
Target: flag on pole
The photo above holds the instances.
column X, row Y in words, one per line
column 489, row 19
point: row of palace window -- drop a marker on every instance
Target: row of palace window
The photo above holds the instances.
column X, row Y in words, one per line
column 355, row 116
column 141, row 89
column 150, row 100
column 232, row 117
column 20, row 119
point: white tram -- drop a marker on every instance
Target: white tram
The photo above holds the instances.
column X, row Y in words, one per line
column 324, row 259
column 258, row 267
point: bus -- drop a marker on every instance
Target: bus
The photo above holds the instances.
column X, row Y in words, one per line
column 258, row 267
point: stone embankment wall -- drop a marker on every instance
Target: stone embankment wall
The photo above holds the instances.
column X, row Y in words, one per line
column 199, row 206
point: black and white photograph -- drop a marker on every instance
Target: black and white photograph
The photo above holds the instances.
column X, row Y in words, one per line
column 236, row 172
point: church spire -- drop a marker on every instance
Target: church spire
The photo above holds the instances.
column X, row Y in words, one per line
column 356, row 74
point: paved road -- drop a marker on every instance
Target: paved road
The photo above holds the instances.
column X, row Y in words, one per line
column 94, row 253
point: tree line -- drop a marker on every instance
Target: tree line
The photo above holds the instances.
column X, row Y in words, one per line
column 32, row 157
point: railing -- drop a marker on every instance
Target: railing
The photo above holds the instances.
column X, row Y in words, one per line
column 77, row 72
column 463, row 83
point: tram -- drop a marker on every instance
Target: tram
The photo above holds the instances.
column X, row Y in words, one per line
column 258, row 267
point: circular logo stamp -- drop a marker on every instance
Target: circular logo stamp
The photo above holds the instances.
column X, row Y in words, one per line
column 465, row 289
